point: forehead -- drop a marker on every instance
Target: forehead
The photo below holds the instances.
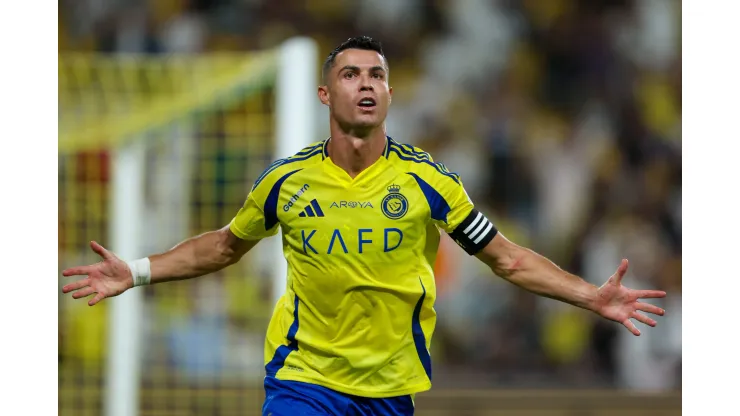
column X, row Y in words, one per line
column 361, row 58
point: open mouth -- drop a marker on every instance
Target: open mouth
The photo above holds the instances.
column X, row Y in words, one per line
column 366, row 103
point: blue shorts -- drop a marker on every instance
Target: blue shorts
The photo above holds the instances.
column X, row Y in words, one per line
column 293, row 398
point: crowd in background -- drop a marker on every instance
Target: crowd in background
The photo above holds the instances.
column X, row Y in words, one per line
column 563, row 118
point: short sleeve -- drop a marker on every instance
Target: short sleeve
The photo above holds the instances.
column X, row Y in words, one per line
column 250, row 223
column 452, row 210
column 448, row 202
column 453, row 191
column 258, row 217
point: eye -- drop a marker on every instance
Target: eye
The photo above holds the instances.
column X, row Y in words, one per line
column 349, row 75
column 378, row 76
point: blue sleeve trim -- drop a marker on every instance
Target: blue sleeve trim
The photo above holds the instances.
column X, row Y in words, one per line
column 271, row 203
column 437, row 204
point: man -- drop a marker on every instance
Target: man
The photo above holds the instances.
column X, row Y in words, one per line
column 361, row 216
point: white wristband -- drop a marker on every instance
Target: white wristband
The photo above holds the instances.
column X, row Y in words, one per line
column 141, row 271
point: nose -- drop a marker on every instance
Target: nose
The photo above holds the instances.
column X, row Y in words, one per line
column 365, row 84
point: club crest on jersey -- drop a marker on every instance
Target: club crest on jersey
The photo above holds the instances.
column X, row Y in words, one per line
column 394, row 205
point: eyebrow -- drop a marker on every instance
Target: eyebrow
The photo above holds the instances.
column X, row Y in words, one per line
column 357, row 69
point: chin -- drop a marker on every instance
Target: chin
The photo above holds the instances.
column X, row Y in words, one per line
column 367, row 122
column 361, row 125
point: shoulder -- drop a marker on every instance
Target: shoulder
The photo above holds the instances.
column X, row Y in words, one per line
column 406, row 152
column 280, row 169
column 419, row 163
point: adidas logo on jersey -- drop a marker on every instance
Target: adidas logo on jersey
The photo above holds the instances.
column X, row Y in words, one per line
column 312, row 210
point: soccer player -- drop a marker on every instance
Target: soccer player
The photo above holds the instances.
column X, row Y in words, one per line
column 361, row 216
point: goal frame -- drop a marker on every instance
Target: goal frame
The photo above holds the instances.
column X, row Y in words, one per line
column 295, row 88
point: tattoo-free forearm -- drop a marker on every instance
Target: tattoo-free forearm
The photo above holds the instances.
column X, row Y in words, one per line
column 537, row 274
column 198, row 256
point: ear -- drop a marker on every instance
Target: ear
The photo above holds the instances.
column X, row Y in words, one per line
column 324, row 95
column 390, row 95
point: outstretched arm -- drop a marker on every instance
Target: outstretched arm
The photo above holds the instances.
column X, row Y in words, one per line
column 535, row 273
column 200, row 255
column 452, row 210
column 194, row 257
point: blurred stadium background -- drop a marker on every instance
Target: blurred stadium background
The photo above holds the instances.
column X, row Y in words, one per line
column 563, row 118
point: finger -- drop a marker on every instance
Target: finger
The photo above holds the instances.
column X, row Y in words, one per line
column 100, row 250
column 644, row 319
column 83, row 293
column 646, row 307
column 96, row 299
column 627, row 323
column 76, row 285
column 642, row 294
column 77, row 271
column 621, row 270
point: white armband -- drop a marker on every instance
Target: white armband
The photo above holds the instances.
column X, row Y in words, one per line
column 141, row 271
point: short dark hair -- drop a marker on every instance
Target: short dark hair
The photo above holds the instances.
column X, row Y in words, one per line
column 358, row 42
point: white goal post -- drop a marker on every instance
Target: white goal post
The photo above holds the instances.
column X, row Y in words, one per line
column 295, row 89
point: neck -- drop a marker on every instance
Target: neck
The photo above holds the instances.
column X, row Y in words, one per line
column 355, row 153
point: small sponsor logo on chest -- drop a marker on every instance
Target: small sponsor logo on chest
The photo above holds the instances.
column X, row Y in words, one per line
column 295, row 198
column 351, row 204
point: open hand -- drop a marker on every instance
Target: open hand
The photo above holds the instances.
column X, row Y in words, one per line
column 106, row 279
column 620, row 304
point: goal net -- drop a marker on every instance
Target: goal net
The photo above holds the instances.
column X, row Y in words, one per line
column 152, row 150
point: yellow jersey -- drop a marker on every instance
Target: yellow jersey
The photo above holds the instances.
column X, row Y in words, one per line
column 358, row 313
